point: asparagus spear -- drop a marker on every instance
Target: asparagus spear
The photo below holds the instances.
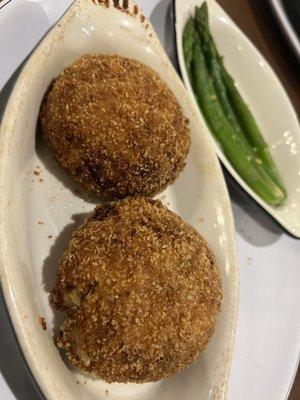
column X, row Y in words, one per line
column 252, row 131
column 188, row 40
column 237, row 153
column 247, row 122
column 201, row 23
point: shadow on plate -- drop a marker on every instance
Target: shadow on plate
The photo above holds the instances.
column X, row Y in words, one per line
column 52, row 166
column 162, row 19
column 51, row 263
column 254, row 224
column 12, row 365
column 6, row 90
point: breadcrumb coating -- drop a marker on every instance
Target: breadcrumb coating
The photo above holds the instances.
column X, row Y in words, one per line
column 115, row 126
column 142, row 292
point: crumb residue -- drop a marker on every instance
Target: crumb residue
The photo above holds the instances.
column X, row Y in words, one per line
column 42, row 322
column 106, row 392
column 248, row 261
column 36, row 172
column 50, row 236
column 40, row 223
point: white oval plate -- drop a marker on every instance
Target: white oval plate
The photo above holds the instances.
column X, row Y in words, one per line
column 40, row 206
column 267, row 99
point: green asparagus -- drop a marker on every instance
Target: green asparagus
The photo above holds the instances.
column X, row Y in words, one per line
column 237, row 153
column 201, row 18
column 188, row 40
column 245, row 119
column 252, row 131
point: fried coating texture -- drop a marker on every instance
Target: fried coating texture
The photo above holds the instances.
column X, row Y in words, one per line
column 142, row 292
column 115, row 126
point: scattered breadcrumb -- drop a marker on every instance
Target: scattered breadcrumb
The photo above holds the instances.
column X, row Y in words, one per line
column 40, row 223
column 50, row 236
column 42, row 322
column 36, row 173
column 106, row 392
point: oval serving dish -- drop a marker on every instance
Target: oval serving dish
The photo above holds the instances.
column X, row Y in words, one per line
column 267, row 99
column 41, row 206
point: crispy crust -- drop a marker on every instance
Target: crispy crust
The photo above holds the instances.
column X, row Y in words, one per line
column 142, row 292
column 115, row 126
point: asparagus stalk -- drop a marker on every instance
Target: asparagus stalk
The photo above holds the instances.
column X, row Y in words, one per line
column 188, row 40
column 201, row 23
column 252, row 131
column 249, row 127
column 239, row 155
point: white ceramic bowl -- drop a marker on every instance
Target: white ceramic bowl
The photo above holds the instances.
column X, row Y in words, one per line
column 40, row 206
column 267, row 99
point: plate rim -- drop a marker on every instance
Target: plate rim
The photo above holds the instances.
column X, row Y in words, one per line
column 6, row 285
column 268, row 209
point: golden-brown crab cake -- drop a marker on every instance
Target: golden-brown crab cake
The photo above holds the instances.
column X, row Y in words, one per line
column 142, row 292
column 115, row 126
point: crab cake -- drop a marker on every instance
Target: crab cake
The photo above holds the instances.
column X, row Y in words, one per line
column 141, row 290
column 115, row 126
